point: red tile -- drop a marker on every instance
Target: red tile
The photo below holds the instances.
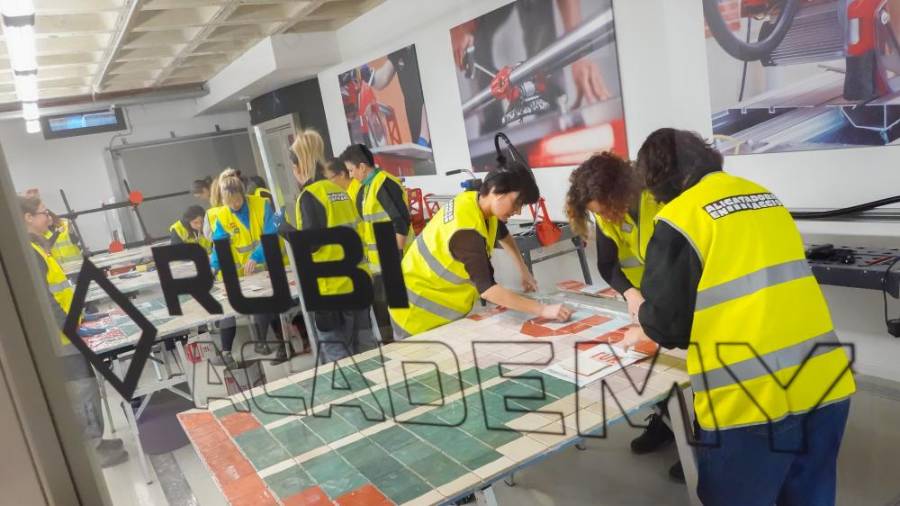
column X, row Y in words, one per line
column 533, row 328
column 243, row 486
column 596, row 319
column 257, row 497
column 239, row 423
column 192, row 421
column 312, row 496
column 367, row 495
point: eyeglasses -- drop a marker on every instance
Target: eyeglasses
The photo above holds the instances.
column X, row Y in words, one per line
column 45, row 212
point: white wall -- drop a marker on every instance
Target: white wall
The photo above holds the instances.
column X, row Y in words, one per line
column 78, row 165
column 663, row 68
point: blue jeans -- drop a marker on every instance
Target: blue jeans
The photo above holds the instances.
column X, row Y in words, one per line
column 749, row 468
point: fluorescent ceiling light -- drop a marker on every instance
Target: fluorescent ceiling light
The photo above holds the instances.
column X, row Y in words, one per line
column 21, row 48
column 33, row 126
column 27, row 88
column 14, row 8
column 30, row 111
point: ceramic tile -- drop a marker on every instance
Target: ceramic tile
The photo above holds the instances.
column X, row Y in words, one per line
column 239, row 423
column 330, row 428
column 369, row 459
column 437, row 469
column 394, row 438
column 429, row 499
column 289, row 482
column 313, row 496
column 521, row 449
column 401, row 486
column 466, row 482
column 297, row 438
column 496, row 468
column 261, row 448
column 367, row 495
column 333, row 474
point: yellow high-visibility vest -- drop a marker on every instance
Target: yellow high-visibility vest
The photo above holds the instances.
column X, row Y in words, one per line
column 373, row 212
column 632, row 237
column 340, row 212
column 353, row 189
column 243, row 240
column 438, row 286
column 59, row 284
column 63, row 250
column 757, row 298
column 264, row 193
column 188, row 237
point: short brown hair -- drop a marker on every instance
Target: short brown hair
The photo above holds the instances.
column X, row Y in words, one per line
column 609, row 180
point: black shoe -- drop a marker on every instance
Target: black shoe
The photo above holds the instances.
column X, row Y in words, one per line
column 654, row 437
column 469, row 499
column 262, row 349
column 676, row 472
column 112, row 458
column 281, row 355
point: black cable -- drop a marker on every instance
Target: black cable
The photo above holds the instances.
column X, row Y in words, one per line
column 818, row 215
column 884, row 290
column 744, row 73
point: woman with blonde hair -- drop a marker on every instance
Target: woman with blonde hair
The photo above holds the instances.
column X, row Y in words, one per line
column 323, row 204
column 243, row 220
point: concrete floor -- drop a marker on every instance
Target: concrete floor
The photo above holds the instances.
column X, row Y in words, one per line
column 606, row 473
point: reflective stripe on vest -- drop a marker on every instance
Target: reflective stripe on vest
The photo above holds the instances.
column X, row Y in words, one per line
column 756, row 300
column 752, row 283
column 631, row 238
column 373, row 212
column 752, row 368
column 438, row 286
column 60, row 287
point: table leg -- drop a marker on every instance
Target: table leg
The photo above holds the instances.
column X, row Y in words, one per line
column 132, row 423
column 486, row 497
column 582, row 259
column 580, row 446
column 510, row 480
column 101, row 384
column 185, row 364
column 526, row 255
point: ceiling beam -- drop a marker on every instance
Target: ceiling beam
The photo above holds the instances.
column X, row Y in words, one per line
column 199, row 38
column 294, row 18
column 123, row 26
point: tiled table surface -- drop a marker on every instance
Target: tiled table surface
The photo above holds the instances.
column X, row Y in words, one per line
column 361, row 434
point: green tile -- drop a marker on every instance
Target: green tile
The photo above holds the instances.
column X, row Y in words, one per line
column 289, row 482
column 453, row 413
column 231, row 408
column 369, row 459
column 470, row 377
column 359, row 418
column 267, row 410
column 394, row 438
column 553, row 386
column 495, row 407
column 493, row 437
column 418, row 394
column 331, row 472
column 297, row 438
column 370, row 364
column 437, row 469
column 329, row 428
column 401, row 486
column 261, row 448
column 465, row 449
column 292, row 397
column 416, row 450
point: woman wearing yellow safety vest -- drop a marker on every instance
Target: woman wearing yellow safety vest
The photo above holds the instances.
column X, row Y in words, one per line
column 449, row 267
column 381, row 198
column 243, row 219
column 323, row 204
column 727, row 278
column 62, row 240
column 189, row 229
column 610, row 189
column 336, row 172
column 80, row 381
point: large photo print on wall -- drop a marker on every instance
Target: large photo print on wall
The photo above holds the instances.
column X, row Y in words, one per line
column 791, row 75
column 385, row 111
column 546, row 73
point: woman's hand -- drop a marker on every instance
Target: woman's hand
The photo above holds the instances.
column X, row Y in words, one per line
column 634, row 299
column 558, row 312
column 529, row 284
column 249, row 267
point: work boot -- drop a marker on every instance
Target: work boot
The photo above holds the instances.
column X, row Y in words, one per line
column 110, row 445
column 228, row 360
column 262, row 349
column 676, row 472
column 654, row 437
column 281, row 355
column 112, row 457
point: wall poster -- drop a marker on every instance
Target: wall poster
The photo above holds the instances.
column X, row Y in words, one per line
column 792, row 75
column 545, row 73
column 385, row 110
